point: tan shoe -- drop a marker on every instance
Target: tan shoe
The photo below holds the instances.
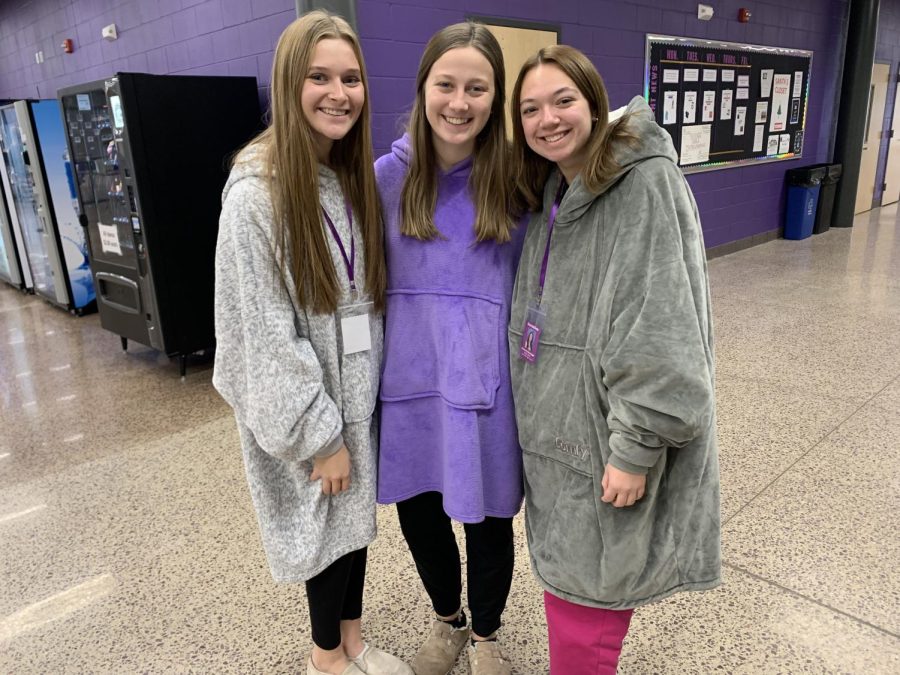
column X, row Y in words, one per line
column 376, row 662
column 352, row 669
column 441, row 649
column 486, row 658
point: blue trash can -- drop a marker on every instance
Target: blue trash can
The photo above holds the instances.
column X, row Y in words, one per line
column 803, row 197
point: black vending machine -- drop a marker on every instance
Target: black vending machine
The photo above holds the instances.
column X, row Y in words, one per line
column 151, row 156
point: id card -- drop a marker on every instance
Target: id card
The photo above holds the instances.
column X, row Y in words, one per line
column 356, row 332
column 531, row 333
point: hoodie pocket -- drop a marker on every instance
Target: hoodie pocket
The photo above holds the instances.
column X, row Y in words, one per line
column 442, row 344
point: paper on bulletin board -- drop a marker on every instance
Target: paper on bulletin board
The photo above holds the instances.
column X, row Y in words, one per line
column 798, row 141
column 670, row 76
column 758, row 132
column 709, row 75
column 727, row 76
column 762, row 112
column 781, row 90
column 109, row 239
column 784, row 144
column 725, row 106
column 695, row 144
column 709, row 106
column 690, row 107
column 691, row 74
column 765, row 83
column 798, row 83
column 772, row 145
column 743, row 81
column 795, row 111
column 670, row 107
column 743, row 93
column 740, row 120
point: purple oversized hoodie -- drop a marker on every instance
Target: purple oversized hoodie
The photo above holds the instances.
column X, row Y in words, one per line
column 447, row 419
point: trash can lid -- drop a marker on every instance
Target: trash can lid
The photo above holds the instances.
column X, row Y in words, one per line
column 807, row 176
column 834, row 172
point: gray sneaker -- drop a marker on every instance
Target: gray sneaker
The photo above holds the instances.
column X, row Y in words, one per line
column 486, row 658
column 438, row 654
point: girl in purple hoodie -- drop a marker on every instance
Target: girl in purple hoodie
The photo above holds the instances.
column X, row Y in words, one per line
column 449, row 446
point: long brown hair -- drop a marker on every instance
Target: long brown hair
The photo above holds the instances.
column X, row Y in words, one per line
column 293, row 171
column 490, row 179
column 532, row 170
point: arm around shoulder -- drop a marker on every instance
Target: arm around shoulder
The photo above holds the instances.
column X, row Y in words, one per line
column 266, row 371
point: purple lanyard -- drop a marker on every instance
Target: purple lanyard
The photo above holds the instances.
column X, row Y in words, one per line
column 550, row 222
column 348, row 262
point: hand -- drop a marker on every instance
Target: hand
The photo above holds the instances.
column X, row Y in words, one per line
column 622, row 488
column 334, row 471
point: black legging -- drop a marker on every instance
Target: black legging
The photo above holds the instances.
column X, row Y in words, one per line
column 335, row 595
column 489, row 560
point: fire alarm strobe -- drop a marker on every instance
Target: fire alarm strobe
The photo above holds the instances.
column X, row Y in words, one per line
column 744, row 15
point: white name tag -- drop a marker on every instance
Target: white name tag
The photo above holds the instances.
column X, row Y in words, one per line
column 355, row 333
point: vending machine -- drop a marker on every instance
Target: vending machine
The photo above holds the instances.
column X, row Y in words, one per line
column 36, row 167
column 151, row 154
column 11, row 251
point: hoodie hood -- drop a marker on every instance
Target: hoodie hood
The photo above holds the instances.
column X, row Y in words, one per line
column 650, row 141
column 402, row 150
column 248, row 164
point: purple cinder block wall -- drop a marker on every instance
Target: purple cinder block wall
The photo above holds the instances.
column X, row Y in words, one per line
column 237, row 37
column 887, row 50
column 185, row 37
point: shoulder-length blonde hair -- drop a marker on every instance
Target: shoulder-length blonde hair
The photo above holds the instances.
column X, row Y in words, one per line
column 290, row 158
column 490, row 179
column 532, row 170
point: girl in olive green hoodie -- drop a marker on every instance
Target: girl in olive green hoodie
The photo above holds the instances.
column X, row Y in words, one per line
column 612, row 363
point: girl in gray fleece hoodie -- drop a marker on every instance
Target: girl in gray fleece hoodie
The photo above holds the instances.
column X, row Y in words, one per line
column 300, row 285
column 612, row 363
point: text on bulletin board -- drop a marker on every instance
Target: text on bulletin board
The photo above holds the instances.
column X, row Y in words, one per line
column 727, row 104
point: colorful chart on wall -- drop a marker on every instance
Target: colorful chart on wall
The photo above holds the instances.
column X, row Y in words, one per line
column 727, row 104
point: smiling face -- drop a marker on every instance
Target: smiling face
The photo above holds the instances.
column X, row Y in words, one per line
column 459, row 92
column 556, row 118
column 332, row 95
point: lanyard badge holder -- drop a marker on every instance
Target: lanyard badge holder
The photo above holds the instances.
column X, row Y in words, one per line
column 354, row 327
column 536, row 316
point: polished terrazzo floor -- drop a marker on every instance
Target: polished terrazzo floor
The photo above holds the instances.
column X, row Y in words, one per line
column 128, row 543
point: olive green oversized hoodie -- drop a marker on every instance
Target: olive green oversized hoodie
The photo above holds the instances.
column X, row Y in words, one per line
column 624, row 376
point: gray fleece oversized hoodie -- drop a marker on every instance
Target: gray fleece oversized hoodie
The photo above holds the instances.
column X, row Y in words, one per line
column 294, row 395
column 624, row 376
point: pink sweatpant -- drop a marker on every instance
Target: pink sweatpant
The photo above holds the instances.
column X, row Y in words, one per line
column 584, row 640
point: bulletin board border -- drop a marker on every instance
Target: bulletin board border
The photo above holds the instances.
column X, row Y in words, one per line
column 701, row 43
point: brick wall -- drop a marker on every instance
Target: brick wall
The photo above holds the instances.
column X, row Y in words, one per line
column 189, row 37
column 236, row 37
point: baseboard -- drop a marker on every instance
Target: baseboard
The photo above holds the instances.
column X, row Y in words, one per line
column 741, row 244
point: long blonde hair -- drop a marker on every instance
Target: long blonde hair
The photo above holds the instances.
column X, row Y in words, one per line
column 532, row 170
column 490, row 179
column 293, row 171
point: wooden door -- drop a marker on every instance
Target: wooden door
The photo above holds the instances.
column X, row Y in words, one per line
column 518, row 44
column 868, row 167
